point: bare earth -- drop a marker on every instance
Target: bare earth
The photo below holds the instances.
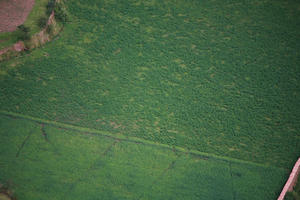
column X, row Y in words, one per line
column 13, row 13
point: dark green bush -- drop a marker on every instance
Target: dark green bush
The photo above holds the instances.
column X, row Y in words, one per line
column 289, row 196
column 50, row 7
column 292, row 196
column 42, row 22
column 61, row 13
column 297, row 187
column 23, row 32
column 24, row 28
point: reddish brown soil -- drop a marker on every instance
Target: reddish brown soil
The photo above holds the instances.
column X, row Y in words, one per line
column 13, row 13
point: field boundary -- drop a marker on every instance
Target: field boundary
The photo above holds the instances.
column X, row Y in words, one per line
column 288, row 187
column 136, row 140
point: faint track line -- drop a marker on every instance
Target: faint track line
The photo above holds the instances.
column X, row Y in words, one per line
column 23, row 144
column 170, row 166
column 232, row 185
column 110, row 147
column 44, row 132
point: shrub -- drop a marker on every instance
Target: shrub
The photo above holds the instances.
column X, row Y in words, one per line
column 297, row 187
column 61, row 13
column 24, row 28
column 23, row 36
column 42, row 22
column 289, row 196
column 50, row 7
column 292, row 196
column 23, row 32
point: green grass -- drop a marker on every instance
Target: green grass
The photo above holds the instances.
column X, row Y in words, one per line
column 216, row 77
column 38, row 11
column 47, row 162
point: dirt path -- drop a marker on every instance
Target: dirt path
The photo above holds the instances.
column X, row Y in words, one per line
column 13, row 13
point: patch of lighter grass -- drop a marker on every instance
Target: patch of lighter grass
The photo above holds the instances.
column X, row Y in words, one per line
column 3, row 72
column 36, row 13
column 4, row 197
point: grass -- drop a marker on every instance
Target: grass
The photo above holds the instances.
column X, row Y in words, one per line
column 64, row 164
column 38, row 11
column 175, row 74
column 221, row 78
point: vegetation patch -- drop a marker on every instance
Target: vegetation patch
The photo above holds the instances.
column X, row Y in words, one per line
column 216, row 77
column 173, row 73
column 295, row 194
column 23, row 33
column 74, row 164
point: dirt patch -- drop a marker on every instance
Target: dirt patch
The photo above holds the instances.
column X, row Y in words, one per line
column 14, row 13
column 19, row 46
column 5, row 193
column 4, row 197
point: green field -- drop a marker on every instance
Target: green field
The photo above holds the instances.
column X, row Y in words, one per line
column 218, row 78
column 61, row 163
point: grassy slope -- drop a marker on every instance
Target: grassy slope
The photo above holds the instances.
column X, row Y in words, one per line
column 37, row 12
column 74, row 165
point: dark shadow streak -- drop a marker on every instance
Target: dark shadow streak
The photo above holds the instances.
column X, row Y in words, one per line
column 23, row 144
